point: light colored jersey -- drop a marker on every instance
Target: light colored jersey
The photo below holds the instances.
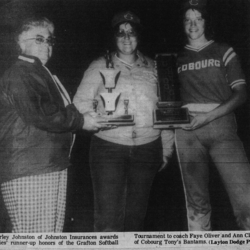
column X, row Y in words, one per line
column 208, row 74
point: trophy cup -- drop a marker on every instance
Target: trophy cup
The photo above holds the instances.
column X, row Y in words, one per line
column 169, row 113
column 110, row 99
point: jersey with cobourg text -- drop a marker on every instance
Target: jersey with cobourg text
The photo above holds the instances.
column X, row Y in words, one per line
column 208, row 74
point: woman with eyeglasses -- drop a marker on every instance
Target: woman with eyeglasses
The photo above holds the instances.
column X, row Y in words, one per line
column 37, row 120
column 125, row 159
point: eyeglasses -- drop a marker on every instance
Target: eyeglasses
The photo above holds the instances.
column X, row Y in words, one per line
column 40, row 40
column 128, row 34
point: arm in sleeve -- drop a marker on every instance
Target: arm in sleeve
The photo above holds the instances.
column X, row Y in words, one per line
column 234, row 73
column 236, row 80
column 35, row 105
column 88, row 89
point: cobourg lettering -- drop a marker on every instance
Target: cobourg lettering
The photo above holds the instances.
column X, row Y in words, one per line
column 151, row 242
column 199, row 65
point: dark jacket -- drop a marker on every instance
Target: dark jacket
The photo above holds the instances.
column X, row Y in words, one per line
column 35, row 126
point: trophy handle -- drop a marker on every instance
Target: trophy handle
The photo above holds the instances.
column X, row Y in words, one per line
column 117, row 100
column 117, row 77
column 103, row 78
column 109, row 62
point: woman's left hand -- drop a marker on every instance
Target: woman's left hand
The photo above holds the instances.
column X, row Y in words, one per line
column 197, row 121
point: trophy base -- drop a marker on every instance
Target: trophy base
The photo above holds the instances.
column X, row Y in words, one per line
column 172, row 104
column 122, row 120
column 168, row 118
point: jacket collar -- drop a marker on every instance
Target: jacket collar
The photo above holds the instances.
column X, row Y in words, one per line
column 30, row 59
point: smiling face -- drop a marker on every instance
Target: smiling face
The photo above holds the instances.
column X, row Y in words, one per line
column 194, row 26
column 126, row 40
column 30, row 46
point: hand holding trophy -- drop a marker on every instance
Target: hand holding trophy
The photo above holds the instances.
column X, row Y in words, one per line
column 110, row 99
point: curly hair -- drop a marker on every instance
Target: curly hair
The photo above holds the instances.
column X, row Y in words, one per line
column 209, row 32
column 31, row 22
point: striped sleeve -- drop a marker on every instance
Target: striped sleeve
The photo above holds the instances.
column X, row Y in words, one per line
column 235, row 75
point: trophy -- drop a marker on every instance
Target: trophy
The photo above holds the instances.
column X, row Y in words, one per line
column 110, row 99
column 169, row 113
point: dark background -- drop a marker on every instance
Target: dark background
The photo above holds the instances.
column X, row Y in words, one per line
column 83, row 34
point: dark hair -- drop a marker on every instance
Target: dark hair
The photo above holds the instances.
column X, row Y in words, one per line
column 137, row 28
column 209, row 32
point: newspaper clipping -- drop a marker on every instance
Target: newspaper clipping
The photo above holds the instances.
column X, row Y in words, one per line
column 136, row 240
column 124, row 124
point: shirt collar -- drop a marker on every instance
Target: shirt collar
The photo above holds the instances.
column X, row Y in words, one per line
column 189, row 47
column 124, row 62
column 141, row 60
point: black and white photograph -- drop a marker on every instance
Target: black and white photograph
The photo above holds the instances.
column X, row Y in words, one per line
column 125, row 118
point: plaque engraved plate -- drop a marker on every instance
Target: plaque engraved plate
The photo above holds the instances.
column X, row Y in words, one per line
column 169, row 113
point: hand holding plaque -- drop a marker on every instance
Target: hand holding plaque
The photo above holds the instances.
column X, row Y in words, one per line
column 169, row 113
